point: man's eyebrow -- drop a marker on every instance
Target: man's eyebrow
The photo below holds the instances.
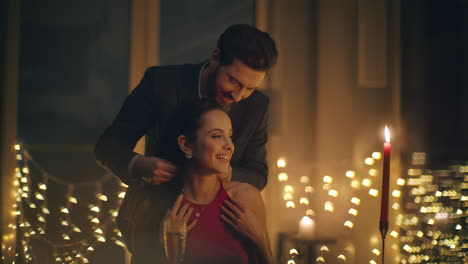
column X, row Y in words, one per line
column 216, row 129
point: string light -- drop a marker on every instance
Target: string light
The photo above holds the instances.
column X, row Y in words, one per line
column 23, row 181
column 288, row 189
column 374, row 192
column 327, row 179
column 350, row 174
column 304, row 179
column 281, row 163
column 282, row 177
column 369, row 161
column 377, row 155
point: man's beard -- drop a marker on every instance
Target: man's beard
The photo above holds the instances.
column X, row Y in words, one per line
column 211, row 88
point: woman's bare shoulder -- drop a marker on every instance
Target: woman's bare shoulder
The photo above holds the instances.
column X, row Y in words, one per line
column 240, row 190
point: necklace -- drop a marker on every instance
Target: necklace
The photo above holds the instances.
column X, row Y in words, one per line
column 199, row 208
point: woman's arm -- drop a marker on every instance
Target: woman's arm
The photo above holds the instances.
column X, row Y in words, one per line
column 246, row 214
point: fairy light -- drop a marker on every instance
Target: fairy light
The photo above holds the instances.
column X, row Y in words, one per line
column 396, row 193
column 39, row 196
column 282, row 177
column 401, row 182
column 309, row 189
column 394, row 234
column 287, row 196
column 396, row 206
column 288, row 189
column 367, row 182
column 369, row 161
column 349, row 224
column 327, row 179
column 73, row 200
column 333, row 193
column 281, row 163
column 304, row 179
column 64, row 210
column 350, row 174
column 304, row 201
column 324, row 249
column 353, row 211
column 320, row 259
column 290, row 204
column 121, row 195
column 373, row 172
column 310, row 212
column 94, row 208
column 102, row 197
column 376, row 252
column 329, row 206
column 372, row 261
column 374, row 192
column 355, row 200
column 293, row 251
column 376, row 155
column 355, row 184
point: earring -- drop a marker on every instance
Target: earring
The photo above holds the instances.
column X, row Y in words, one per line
column 188, row 156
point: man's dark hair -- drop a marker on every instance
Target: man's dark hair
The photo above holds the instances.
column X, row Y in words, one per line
column 253, row 47
column 186, row 120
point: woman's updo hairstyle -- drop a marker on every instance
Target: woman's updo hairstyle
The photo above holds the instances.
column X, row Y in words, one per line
column 186, row 120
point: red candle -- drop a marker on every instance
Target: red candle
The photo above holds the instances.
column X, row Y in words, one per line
column 386, row 177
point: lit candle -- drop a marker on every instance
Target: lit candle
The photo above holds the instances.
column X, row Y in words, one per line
column 307, row 227
column 386, row 178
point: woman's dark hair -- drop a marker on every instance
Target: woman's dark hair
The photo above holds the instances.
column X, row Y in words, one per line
column 186, row 120
column 253, row 47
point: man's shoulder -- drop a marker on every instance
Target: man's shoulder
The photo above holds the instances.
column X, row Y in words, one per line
column 167, row 69
column 257, row 100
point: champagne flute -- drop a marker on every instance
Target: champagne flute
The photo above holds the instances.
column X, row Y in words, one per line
column 174, row 233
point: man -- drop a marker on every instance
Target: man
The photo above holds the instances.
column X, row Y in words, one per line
column 234, row 71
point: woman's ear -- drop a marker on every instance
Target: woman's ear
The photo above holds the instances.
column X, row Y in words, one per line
column 185, row 146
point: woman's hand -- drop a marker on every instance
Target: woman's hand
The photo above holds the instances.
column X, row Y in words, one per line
column 176, row 229
column 178, row 217
column 243, row 220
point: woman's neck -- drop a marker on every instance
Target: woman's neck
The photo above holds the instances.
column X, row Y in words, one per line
column 201, row 189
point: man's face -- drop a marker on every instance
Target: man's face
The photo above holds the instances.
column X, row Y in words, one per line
column 234, row 82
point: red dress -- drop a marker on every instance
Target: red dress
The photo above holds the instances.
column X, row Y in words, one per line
column 211, row 240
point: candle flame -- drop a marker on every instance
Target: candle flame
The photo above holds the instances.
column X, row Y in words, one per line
column 387, row 134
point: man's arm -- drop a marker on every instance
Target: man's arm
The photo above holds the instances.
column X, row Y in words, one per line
column 114, row 149
column 253, row 167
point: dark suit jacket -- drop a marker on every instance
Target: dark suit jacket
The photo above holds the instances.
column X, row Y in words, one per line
column 146, row 110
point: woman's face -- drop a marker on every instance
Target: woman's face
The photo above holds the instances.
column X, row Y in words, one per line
column 213, row 148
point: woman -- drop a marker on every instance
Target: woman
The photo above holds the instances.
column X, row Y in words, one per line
column 225, row 220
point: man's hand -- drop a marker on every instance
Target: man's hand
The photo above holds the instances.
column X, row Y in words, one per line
column 227, row 175
column 154, row 170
